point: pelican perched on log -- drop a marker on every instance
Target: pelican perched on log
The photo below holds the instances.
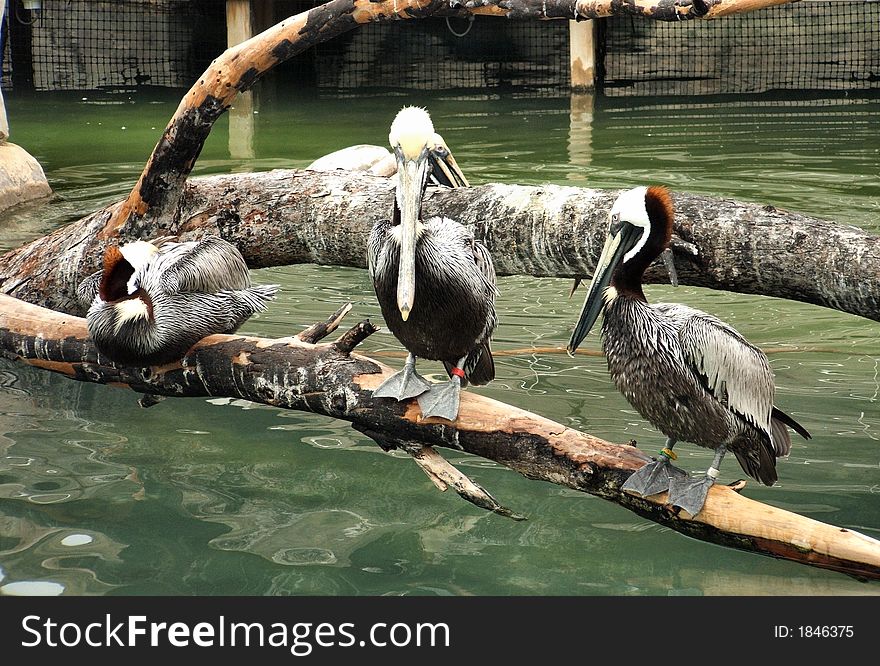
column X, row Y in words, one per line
column 151, row 302
column 435, row 284
column 688, row 373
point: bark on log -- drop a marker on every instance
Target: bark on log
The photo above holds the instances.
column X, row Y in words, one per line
column 329, row 379
column 286, row 217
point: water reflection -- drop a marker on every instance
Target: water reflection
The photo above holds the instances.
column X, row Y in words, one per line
column 224, row 496
column 580, row 133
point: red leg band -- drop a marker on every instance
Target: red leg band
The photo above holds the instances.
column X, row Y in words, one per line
column 458, row 372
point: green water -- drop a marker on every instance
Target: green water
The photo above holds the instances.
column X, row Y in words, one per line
column 206, row 497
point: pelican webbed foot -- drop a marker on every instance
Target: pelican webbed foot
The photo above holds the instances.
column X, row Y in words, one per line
column 655, row 477
column 690, row 494
column 405, row 384
column 442, row 400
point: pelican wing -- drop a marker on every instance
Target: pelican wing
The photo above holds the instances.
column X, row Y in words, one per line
column 479, row 365
column 88, row 289
column 484, row 264
column 208, row 265
column 375, row 243
column 483, row 260
column 733, row 370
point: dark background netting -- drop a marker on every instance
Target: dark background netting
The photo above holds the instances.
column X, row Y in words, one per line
column 88, row 45
column 436, row 54
column 809, row 45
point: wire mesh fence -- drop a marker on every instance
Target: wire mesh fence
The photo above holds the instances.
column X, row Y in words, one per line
column 809, row 45
column 88, row 45
column 480, row 53
column 95, row 44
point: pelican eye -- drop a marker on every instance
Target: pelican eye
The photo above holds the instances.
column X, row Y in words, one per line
column 615, row 223
column 441, row 151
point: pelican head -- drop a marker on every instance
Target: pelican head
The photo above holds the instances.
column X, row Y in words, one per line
column 640, row 229
column 412, row 138
column 119, row 284
column 444, row 169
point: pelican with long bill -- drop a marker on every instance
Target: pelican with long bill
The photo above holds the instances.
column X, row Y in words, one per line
column 692, row 376
column 434, row 282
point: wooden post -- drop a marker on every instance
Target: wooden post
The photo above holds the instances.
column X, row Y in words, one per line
column 582, row 55
column 239, row 21
column 239, row 28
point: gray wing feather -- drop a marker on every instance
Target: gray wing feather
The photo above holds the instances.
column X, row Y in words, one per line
column 375, row 242
column 209, row 265
column 88, row 289
column 483, row 260
column 735, row 371
column 484, row 263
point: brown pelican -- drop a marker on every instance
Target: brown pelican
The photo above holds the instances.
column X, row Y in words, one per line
column 152, row 301
column 688, row 373
column 443, row 168
column 435, row 284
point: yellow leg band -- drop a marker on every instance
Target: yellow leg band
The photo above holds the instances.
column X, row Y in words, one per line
column 669, row 453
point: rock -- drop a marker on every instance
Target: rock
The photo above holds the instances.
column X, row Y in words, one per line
column 21, row 177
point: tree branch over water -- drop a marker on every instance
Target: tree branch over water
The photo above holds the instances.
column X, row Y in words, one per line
column 331, row 380
column 287, row 217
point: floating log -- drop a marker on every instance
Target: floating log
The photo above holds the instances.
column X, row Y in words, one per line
column 331, row 380
column 288, row 217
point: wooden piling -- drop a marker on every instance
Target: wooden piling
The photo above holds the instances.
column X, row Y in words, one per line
column 582, row 55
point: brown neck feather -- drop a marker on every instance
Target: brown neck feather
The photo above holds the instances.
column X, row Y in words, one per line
column 628, row 276
column 117, row 273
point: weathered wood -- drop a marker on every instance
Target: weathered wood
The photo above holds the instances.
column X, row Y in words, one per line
column 329, row 380
column 669, row 10
column 444, row 475
column 287, row 217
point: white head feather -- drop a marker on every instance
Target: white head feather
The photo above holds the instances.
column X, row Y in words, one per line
column 630, row 207
column 129, row 310
column 411, row 130
column 138, row 254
